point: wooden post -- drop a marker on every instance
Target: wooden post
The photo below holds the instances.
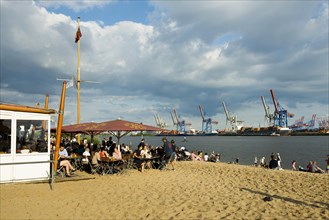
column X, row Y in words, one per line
column 59, row 125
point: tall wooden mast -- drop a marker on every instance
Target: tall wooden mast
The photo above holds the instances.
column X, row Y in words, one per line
column 78, row 82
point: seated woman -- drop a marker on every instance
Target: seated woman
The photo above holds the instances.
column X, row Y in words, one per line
column 145, row 152
column 117, row 154
column 63, row 162
column 96, row 158
column 200, row 156
column 139, row 162
column 103, row 153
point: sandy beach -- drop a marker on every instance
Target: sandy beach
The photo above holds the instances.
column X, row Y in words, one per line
column 196, row 190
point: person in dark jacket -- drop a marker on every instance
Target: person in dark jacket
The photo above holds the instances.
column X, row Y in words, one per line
column 273, row 163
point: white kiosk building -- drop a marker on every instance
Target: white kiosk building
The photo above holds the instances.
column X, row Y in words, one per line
column 24, row 143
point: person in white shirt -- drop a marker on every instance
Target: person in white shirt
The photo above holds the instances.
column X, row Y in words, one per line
column 62, row 154
column 85, row 155
column 205, row 157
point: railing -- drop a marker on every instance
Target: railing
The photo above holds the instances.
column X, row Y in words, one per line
column 36, row 162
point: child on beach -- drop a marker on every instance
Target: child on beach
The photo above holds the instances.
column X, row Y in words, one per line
column 192, row 155
column 293, row 165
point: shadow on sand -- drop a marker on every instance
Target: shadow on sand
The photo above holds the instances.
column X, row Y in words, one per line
column 298, row 202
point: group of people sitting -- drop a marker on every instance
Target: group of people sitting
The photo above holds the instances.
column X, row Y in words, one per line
column 92, row 154
column 144, row 156
column 213, row 157
column 275, row 163
column 311, row 167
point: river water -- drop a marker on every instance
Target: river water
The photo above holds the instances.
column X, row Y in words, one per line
column 246, row 148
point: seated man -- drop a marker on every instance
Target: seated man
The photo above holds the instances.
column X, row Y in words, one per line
column 273, row 163
column 62, row 154
column 315, row 168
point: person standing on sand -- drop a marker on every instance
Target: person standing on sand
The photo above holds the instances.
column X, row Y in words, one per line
column 170, row 153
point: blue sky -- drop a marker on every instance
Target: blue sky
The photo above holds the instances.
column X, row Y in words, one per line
column 109, row 13
column 153, row 56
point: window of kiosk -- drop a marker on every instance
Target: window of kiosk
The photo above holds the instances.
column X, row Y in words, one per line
column 31, row 136
column 5, row 136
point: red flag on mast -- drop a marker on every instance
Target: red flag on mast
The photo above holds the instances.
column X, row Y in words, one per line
column 78, row 35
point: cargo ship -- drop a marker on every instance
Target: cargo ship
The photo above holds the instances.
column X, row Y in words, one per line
column 261, row 131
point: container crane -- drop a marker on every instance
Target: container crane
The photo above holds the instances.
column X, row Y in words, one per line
column 280, row 114
column 298, row 125
column 310, row 124
column 323, row 124
column 233, row 120
column 181, row 124
column 268, row 116
column 206, row 122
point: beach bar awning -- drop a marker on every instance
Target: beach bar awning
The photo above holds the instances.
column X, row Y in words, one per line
column 122, row 125
column 117, row 128
column 78, row 128
column 120, row 128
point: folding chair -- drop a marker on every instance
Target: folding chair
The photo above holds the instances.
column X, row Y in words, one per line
column 95, row 169
column 60, row 171
column 106, row 167
column 131, row 164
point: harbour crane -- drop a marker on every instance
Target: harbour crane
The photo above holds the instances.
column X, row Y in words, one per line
column 233, row 120
column 206, row 122
column 268, row 116
column 175, row 123
column 159, row 122
column 280, row 114
column 181, row 124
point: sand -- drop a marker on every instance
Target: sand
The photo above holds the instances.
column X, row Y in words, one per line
column 196, row 190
